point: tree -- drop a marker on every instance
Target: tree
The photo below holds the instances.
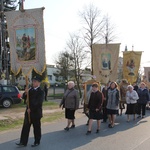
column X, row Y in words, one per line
column 64, row 63
column 93, row 26
column 97, row 28
column 108, row 30
column 76, row 49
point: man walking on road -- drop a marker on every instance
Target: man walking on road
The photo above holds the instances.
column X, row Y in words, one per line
column 33, row 114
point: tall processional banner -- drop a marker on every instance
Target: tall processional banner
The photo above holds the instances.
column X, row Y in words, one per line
column 27, row 41
column 146, row 77
column 105, row 62
column 131, row 64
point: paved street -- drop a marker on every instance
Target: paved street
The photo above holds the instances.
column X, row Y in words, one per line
column 124, row 136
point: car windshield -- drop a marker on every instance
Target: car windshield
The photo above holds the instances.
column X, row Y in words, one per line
column 9, row 89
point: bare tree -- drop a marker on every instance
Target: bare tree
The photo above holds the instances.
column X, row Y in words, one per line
column 93, row 26
column 76, row 49
column 108, row 31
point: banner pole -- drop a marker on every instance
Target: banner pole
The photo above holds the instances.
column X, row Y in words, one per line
column 27, row 84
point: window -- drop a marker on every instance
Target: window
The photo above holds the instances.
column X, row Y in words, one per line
column 8, row 89
column 50, row 77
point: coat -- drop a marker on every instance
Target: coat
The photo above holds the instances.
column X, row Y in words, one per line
column 36, row 97
column 143, row 96
column 131, row 97
column 113, row 99
column 96, row 101
column 70, row 99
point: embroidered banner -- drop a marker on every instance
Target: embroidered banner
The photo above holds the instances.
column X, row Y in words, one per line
column 105, row 62
column 146, row 77
column 27, row 42
column 131, row 64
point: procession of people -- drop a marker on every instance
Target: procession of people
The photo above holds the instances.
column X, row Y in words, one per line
column 101, row 104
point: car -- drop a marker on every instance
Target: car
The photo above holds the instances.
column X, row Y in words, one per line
column 9, row 95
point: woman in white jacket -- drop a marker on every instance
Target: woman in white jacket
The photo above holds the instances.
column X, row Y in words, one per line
column 131, row 100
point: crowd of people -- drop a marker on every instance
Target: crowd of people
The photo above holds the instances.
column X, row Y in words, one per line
column 100, row 105
column 116, row 99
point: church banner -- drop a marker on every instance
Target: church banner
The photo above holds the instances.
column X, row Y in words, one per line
column 146, row 77
column 131, row 64
column 105, row 62
column 27, row 42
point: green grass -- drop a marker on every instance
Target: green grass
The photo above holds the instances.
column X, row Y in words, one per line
column 56, row 95
column 17, row 123
column 10, row 124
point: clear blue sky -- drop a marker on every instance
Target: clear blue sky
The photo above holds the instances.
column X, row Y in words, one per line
column 131, row 18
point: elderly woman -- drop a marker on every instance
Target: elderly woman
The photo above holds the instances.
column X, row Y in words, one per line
column 131, row 100
column 70, row 102
column 94, row 106
column 143, row 94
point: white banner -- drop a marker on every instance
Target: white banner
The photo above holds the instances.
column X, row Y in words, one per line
column 27, row 42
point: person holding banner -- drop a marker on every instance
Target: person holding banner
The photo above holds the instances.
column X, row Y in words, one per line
column 33, row 114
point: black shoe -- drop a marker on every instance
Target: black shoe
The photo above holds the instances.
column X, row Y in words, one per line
column 97, row 131
column 21, row 144
column 109, row 125
column 88, row 132
column 73, row 126
column 35, row 144
column 67, row 128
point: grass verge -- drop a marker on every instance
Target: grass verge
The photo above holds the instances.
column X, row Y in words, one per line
column 17, row 123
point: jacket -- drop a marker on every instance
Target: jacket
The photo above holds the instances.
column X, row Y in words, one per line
column 113, row 99
column 143, row 96
column 96, row 101
column 70, row 99
column 131, row 97
column 36, row 97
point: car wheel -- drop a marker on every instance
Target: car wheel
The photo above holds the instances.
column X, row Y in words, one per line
column 6, row 103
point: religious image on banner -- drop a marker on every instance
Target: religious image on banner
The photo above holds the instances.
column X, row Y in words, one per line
column 25, row 44
column 130, row 65
column 146, row 77
column 106, row 61
column 27, row 41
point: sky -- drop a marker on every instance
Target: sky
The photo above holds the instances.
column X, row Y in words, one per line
column 61, row 17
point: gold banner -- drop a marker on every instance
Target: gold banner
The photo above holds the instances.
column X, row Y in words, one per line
column 146, row 77
column 105, row 62
column 131, row 64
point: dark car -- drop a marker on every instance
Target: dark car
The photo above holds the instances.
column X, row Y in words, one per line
column 9, row 95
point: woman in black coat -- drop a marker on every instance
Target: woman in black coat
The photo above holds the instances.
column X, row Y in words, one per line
column 143, row 94
column 94, row 106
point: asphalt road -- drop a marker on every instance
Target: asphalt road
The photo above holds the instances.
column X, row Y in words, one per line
column 134, row 135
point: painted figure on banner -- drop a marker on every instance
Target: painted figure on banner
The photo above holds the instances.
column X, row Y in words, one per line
column 131, row 66
column 106, row 63
column 25, row 45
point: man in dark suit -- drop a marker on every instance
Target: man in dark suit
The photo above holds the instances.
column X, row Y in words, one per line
column 33, row 114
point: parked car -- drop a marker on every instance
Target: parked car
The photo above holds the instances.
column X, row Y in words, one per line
column 9, row 95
